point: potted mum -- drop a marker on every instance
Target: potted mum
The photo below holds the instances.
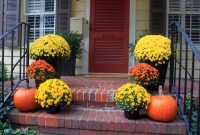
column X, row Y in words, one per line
column 50, row 48
column 75, row 42
column 40, row 70
column 53, row 94
column 131, row 98
column 144, row 75
column 156, row 51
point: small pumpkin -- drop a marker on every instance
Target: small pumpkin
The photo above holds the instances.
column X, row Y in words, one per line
column 162, row 107
column 24, row 99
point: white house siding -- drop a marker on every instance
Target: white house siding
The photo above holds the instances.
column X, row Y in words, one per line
column 7, row 59
column 142, row 17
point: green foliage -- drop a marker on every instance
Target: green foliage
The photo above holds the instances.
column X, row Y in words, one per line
column 132, row 45
column 75, row 42
column 194, row 115
column 5, row 126
column 5, row 75
column 3, row 111
column 131, row 49
column 6, row 129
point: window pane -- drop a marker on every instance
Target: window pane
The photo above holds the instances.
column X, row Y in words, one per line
column 48, row 21
column 34, row 22
column 33, row 6
column 49, row 5
column 34, row 34
column 196, row 21
column 48, row 31
column 195, row 36
column 192, row 25
column 192, row 5
column 174, row 5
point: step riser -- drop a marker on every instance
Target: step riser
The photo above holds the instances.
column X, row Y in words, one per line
column 94, row 104
column 95, row 120
column 93, row 96
column 67, row 131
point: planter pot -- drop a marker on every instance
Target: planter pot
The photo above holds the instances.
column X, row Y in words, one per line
column 53, row 109
column 133, row 114
column 67, row 67
column 55, row 63
column 38, row 82
column 162, row 68
column 152, row 87
column 63, row 66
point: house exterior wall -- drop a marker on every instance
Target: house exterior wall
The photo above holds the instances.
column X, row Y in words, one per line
column 142, row 18
column 77, row 25
column 16, row 51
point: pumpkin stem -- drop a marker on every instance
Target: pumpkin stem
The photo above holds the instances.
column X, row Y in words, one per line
column 160, row 91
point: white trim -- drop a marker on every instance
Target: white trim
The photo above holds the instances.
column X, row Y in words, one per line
column 45, row 13
column 85, row 58
column 132, row 19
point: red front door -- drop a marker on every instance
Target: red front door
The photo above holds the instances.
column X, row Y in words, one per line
column 109, row 35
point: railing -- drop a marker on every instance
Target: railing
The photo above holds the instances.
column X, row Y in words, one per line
column 185, row 77
column 16, row 38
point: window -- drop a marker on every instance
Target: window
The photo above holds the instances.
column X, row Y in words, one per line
column 40, row 15
column 187, row 12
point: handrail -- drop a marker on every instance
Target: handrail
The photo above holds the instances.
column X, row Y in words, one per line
column 181, row 82
column 190, row 43
column 23, row 29
column 11, row 30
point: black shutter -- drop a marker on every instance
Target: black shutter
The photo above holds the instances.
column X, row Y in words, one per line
column 1, row 13
column 158, row 17
column 63, row 13
column 11, row 18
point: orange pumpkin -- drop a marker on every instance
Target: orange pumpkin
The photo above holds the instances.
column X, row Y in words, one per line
column 24, row 99
column 162, row 107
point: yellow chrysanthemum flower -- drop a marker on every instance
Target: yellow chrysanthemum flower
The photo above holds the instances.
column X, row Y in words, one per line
column 154, row 48
column 132, row 97
column 50, row 46
column 53, row 92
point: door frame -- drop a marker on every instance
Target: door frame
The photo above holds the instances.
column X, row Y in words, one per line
column 132, row 32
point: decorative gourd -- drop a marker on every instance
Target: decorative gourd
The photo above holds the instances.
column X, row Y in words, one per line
column 24, row 99
column 162, row 107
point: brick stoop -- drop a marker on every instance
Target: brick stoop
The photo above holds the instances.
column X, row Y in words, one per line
column 94, row 91
column 91, row 91
column 93, row 121
column 92, row 112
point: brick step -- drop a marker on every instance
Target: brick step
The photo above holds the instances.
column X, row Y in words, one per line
column 93, row 121
column 91, row 91
column 95, row 91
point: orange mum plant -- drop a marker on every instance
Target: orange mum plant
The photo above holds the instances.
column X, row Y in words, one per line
column 40, row 70
column 143, row 74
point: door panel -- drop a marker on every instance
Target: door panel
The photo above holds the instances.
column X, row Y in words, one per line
column 109, row 36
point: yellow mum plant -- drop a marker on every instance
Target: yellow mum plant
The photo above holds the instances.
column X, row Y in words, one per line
column 132, row 97
column 53, row 92
column 49, row 46
column 153, row 48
